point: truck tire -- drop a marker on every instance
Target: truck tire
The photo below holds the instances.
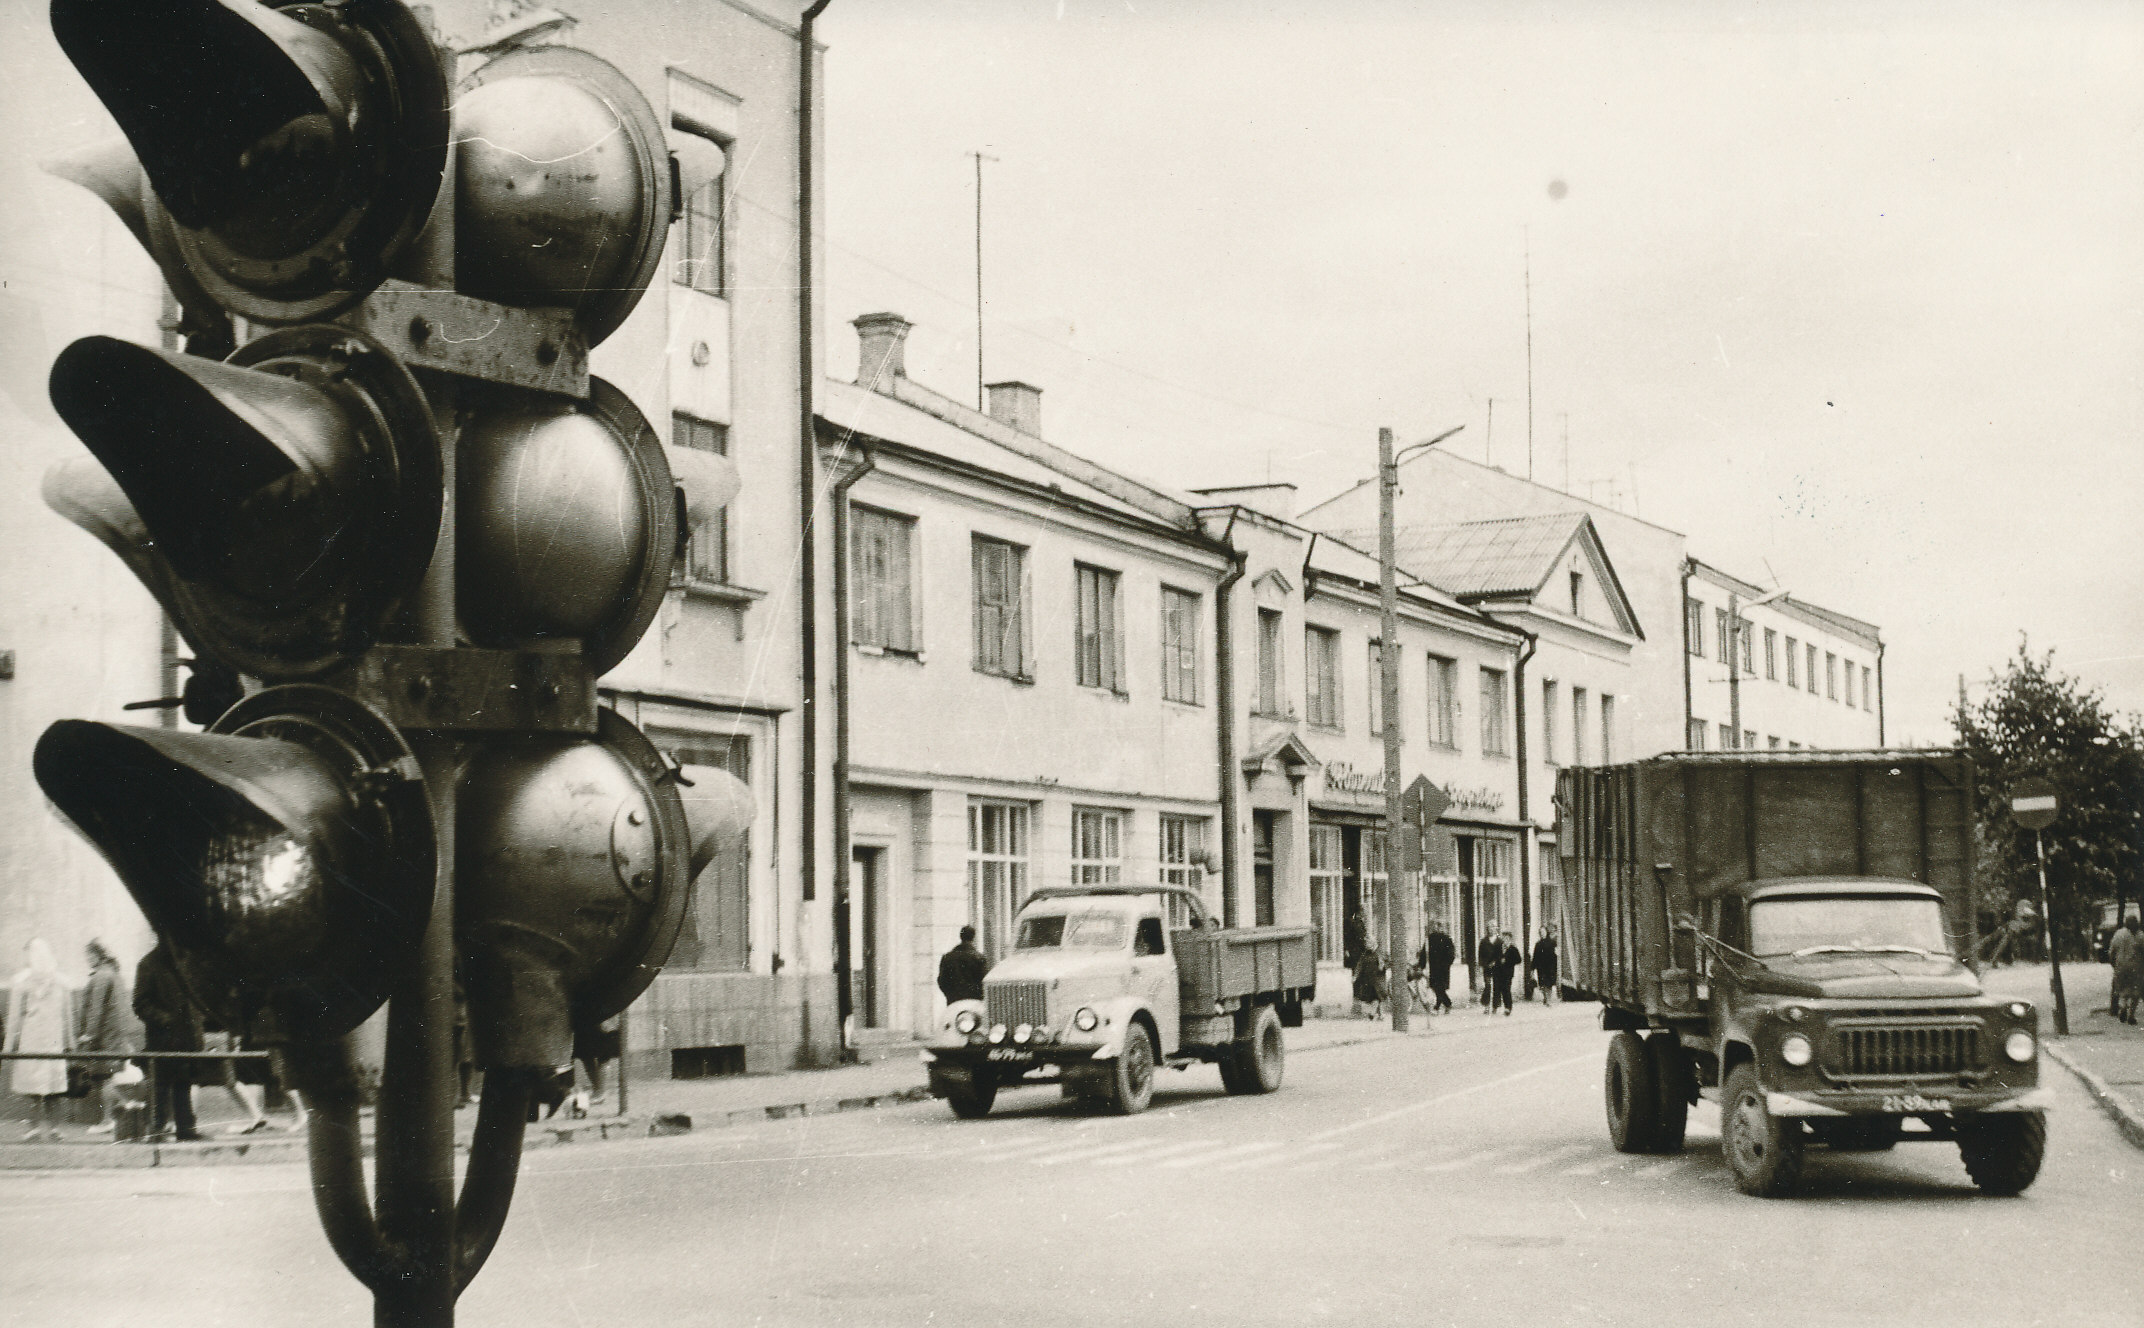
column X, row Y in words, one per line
column 1131, row 1077
column 1764, row 1152
column 1257, row 1058
column 973, row 1102
column 1632, row 1090
column 2002, row 1152
column 1671, row 1085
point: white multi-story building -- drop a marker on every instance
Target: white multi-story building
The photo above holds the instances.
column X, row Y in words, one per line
column 1767, row 671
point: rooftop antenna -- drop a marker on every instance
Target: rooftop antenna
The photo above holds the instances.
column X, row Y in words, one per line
column 1488, row 448
column 980, row 157
column 1529, row 238
column 1566, row 451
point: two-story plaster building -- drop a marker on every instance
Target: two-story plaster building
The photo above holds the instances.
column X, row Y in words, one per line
column 1794, row 674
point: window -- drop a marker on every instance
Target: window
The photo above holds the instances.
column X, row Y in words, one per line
column 1693, row 627
column 1147, row 940
column 1578, row 594
column 1376, row 690
column 1849, row 670
column 1270, row 678
column 883, row 612
column 1179, row 645
column 1749, row 740
column 1868, row 702
column 1580, row 721
column 700, row 260
column 1831, row 676
column 716, row 932
column 1810, row 656
column 1000, row 608
column 1772, row 744
column 1720, row 637
column 1099, row 643
column 1097, row 846
column 1743, row 634
column 997, row 870
column 1548, row 721
column 1771, row 654
column 707, row 546
column 1183, row 842
column 1794, row 653
column 1321, row 676
column 1494, row 741
column 1607, row 729
column 1727, row 738
column 1695, row 738
column 1443, row 702
column 1328, row 878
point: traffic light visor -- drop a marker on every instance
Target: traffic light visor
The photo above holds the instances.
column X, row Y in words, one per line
column 288, row 864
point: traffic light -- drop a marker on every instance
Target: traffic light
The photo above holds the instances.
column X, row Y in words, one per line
column 282, row 503
column 286, row 855
column 297, row 147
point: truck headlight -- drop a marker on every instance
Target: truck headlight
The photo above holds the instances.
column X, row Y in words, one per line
column 2018, row 1009
column 1086, row 1020
column 1794, row 1049
column 997, row 1032
column 966, row 1022
column 1021, row 1034
column 2018, row 1046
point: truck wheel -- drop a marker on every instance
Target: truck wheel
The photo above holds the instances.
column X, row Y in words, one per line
column 1131, row 1081
column 1258, row 1058
column 1764, row 1152
column 973, row 1102
column 1633, row 1091
column 2002, row 1152
column 1671, row 1084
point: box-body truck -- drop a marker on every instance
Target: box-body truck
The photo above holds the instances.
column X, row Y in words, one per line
column 1784, row 932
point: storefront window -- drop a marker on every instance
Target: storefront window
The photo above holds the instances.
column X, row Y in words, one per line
column 997, row 870
column 1328, row 880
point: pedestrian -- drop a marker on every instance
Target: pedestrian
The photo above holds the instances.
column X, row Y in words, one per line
column 1503, row 970
column 1440, row 952
column 1354, row 937
column 594, row 1047
column 106, row 1026
column 40, row 1019
column 961, row 970
column 169, row 1022
column 2125, row 951
column 1485, row 956
column 1370, row 982
column 247, row 1094
column 1544, row 965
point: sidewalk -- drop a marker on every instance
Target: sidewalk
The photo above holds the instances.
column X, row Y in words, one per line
column 2107, row 1056
column 671, row 1106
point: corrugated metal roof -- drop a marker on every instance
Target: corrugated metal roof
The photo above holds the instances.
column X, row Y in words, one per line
column 1508, row 556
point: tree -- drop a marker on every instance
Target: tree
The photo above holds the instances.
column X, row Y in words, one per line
column 2033, row 720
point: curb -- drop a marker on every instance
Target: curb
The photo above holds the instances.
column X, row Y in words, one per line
column 2126, row 1117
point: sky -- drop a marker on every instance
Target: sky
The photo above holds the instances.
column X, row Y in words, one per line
column 1852, row 295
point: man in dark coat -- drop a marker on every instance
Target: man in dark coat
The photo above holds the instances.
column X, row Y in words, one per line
column 961, row 970
column 1438, row 954
column 1485, row 956
column 1502, row 970
column 1354, row 938
column 1544, row 965
column 169, row 1022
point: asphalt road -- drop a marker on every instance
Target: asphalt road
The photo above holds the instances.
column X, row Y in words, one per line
column 1459, row 1178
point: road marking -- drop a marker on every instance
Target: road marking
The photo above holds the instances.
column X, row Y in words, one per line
column 1151, row 1155
column 1539, row 1160
column 1086, row 1152
column 1441, row 1098
column 1270, row 1158
column 1202, row 1159
column 1466, row 1160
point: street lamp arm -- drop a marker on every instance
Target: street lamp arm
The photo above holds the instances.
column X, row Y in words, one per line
column 1423, row 446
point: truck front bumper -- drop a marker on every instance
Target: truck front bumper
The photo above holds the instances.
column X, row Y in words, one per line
column 1004, row 1064
column 1906, row 1102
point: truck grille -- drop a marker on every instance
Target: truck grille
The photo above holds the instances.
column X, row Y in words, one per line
column 1913, row 1050
column 1016, row 1003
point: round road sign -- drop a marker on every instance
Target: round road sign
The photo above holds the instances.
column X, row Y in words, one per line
column 2033, row 804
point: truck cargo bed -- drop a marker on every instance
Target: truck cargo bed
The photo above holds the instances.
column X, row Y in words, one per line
column 1227, row 964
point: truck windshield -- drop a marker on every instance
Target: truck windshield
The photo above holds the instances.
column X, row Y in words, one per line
column 1846, row 924
column 1096, row 930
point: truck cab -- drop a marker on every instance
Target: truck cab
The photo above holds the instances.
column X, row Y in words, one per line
column 1099, row 992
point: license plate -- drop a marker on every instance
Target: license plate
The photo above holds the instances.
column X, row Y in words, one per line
column 1910, row 1102
column 1009, row 1054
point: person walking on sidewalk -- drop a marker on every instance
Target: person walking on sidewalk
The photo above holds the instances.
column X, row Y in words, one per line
column 106, row 1026
column 2125, row 951
column 1544, row 965
column 1485, row 956
column 1502, row 970
column 1439, row 952
column 169, row 1023
column 40, row 1018
column 961, row 970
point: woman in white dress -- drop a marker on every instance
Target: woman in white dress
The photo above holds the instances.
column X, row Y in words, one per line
column 40, row 1017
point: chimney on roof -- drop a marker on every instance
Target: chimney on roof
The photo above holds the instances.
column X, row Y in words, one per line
column 881, row 357
column 1018, row 405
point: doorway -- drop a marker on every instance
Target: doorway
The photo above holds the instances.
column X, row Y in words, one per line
column 873, row 984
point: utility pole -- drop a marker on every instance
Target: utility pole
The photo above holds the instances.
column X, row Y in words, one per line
column 980, row 157
column 1734, row 666
column 1399, row 892
column 1529, row 354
